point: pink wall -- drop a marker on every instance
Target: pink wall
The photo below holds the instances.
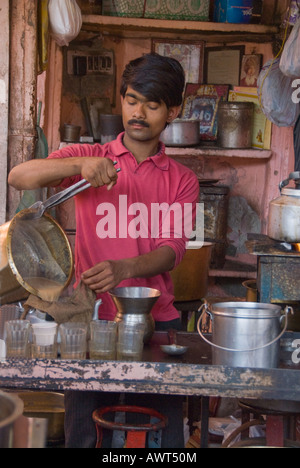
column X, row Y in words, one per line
column 254, row 179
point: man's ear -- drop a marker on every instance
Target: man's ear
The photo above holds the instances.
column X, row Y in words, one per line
column 173, row 112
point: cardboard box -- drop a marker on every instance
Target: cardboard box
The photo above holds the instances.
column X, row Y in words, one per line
column 198, row 10
column 233, row 11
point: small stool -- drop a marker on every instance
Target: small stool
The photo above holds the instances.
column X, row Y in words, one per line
column 280, row 419
column 136, row 433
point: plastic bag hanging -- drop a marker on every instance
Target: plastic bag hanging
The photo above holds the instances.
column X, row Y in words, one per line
column 275, row 94
column 290, row 58
column 65, row 20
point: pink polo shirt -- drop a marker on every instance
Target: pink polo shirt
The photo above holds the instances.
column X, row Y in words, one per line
column 125, row 221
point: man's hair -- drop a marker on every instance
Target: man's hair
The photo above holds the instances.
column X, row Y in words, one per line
column 156, row 77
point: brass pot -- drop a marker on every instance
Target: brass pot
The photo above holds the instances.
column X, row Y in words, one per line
column 190, row 277
column 46, row 405
column 251, row 287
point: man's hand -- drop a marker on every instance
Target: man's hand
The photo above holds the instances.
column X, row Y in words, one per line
column 99, row 171
column 108, row 274
column 104, row 275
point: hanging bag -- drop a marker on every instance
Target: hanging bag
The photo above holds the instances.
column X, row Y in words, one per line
column 290, row 58
column 275, row 92
column 65, row 20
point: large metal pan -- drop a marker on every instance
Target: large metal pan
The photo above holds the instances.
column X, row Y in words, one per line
column 181, row 133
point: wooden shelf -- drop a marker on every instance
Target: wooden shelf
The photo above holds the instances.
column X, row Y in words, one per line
column 145, row 27
column 235, row 269
column 218, row 152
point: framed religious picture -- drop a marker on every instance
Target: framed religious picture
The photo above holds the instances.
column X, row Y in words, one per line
column 222, row 65
column 250, row 69
column 188, row 53
column 201, row 103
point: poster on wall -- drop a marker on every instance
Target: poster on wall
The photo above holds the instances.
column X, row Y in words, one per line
column 188, row 53
column 201, row 103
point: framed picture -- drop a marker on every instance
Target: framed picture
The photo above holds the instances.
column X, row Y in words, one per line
column 188, row 53
column 201, row 103
column 251, row 65
column 222, row 65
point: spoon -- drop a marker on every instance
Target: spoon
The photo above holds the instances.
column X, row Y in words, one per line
column 173, row 348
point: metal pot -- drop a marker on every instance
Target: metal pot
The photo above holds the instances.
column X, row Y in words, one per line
column 245, row 334
column 181, row 132
column 235, row 122
column 284, row 212
column 11, row 408
column 46, row 405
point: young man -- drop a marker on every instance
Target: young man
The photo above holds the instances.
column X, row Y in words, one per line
column 119, row 238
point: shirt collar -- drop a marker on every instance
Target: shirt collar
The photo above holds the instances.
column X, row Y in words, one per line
column 160, row 159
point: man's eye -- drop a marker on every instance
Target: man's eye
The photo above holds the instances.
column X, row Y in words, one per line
column 153, row 106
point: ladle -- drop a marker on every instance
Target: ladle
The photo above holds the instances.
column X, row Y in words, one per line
column 173, row 348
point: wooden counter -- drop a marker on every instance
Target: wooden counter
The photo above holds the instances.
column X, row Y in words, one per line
column 189, row 374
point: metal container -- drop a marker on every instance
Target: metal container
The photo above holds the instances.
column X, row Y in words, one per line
column 235, row 123
column 190, row 277
column 11, row 408
column 245, row 334
column 110, row 127
column 216, row 202
column 134, row 304
column 49, row 406
column 181, row 132
column 71, row 133
column 251, row 287
column 284, row 212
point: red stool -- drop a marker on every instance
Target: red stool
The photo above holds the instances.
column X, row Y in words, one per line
column 136, row 433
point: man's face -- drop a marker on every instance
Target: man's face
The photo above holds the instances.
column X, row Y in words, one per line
column 144, row 120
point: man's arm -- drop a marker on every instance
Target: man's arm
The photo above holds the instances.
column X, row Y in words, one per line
column 107, row 275
column 38, row 173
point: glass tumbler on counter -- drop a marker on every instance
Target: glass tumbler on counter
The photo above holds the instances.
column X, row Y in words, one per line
column 16, row 334
column 73, row 340
column 130, row 341
column 44, row 340
column 102, row 344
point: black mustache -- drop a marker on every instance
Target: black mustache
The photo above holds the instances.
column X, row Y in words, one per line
column 138, row 122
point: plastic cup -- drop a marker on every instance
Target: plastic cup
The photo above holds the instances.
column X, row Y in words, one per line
column 102, row 344
column 17, row 338
column 73, row 340
column 44, row 340
column 130, row 341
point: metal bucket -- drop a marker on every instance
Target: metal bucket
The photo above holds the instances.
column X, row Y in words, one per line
column 245, row 334
column 235, row 122
column 11, row 408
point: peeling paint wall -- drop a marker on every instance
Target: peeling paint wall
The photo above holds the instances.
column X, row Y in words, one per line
column 4, row 81
column 23, row 75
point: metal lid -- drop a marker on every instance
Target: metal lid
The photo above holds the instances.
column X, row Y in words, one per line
column 291, row 192
column 246, row 309
column 235, row 105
